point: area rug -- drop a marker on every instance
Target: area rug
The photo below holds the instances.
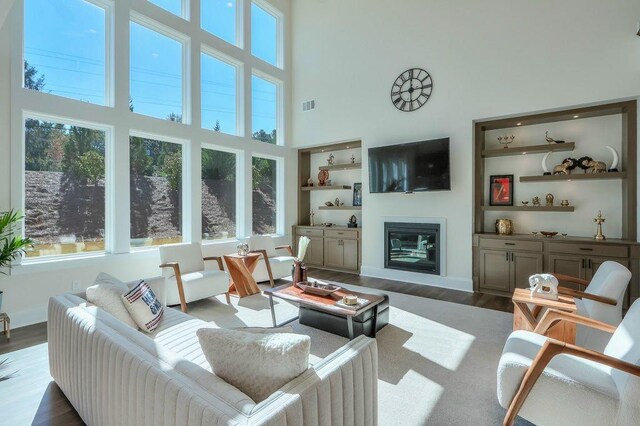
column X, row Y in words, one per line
column 437, row 360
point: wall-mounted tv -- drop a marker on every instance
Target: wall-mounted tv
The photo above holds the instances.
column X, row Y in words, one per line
column 410, row 167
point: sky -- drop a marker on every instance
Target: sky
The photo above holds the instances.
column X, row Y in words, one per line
column 65, row 39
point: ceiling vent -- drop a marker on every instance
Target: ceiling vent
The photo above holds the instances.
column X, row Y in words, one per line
column 308, row 105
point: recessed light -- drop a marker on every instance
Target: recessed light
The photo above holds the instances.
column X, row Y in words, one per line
column 524, row 153
column 576, row 116
column 518, row 124
column 347, row 147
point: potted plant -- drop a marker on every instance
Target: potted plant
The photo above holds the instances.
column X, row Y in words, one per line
column 11, row 246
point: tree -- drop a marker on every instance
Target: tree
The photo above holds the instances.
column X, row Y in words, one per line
column 139, row 161
column 263, row 172
column 91, row 167
column 81, row 141
column 31, row 79
column 175, row 117
column 217, row 165
column 172, row 170
column 216, row 128
column 262, row 135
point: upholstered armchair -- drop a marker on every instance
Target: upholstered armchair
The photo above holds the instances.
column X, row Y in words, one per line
column 186, row 279
column 601, row 300
column 546, row 381
column 272, row 265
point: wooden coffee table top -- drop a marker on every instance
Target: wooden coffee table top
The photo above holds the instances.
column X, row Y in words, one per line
column 564, row 303
column 323, row 303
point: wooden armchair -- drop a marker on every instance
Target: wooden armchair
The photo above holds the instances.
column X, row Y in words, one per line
column 622, row 354
column 186, row 278
column 272, row 266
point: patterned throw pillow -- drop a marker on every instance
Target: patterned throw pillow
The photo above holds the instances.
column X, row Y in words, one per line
column 106, row 294
column 143, row 306
column 256, row 363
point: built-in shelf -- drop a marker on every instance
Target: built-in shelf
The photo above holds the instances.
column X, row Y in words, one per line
column 350, row 166
column 326, row 187
column 340, row 208
column 575, row 176
column 529, row 208
column 531, row 149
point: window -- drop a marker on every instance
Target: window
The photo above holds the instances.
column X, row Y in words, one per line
column 65, row 49
column 264, row 35
column 173, row 6
column 264, row 98
column 218, row 194
column 265, row 212
column 64, row 188
column 219, row 80
column 219, row 18
column 156, row 191
column 156, row 74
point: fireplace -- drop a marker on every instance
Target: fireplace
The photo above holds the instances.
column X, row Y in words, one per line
column 412, row 247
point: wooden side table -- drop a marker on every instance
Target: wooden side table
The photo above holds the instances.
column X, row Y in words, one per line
column 526, row 317
column 241, row 270
column 6, row 322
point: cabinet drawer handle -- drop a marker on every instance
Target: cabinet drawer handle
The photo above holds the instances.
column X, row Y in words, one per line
column 509, row 244
column 507, row 256
column 583, row 264
column 340, row 233
column 586, row 249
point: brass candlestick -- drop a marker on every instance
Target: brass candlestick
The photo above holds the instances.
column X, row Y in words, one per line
column 599, row 220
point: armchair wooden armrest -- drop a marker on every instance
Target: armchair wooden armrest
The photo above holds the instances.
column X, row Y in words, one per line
column 570, row 279
column 267, row 264
column 549, row 350
column 216, row 258
column 286, row 246
column 582, row 295
column 176, row 270
column 553, row 316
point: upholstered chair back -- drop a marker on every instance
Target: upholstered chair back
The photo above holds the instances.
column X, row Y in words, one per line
column 188, row 256
column 625, row 345
column 611, row 280
column 263, row 242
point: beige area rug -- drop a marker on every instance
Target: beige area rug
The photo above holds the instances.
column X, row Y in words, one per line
column 437, row 360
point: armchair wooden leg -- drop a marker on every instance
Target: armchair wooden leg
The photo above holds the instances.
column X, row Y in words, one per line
column 228, row 297
column 183, row 302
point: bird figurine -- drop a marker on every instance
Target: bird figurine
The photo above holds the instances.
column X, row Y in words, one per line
column 551, row 140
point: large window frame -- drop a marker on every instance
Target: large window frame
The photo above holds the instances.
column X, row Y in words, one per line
column 119, row 122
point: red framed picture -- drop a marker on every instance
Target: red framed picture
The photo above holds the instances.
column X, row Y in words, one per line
column 501, row 190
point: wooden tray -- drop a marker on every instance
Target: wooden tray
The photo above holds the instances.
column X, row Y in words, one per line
column 317, row 288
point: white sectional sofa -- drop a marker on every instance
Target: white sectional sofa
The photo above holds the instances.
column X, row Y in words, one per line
column 113, row 374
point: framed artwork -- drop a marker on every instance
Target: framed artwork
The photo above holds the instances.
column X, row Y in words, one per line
column 357, row 194
column 501, row 190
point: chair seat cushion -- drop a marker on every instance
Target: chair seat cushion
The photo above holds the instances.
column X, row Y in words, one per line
column 571, row 390
column 197, row 285
column 280, row 268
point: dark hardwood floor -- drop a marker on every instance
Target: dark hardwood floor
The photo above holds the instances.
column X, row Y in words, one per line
column 55, row 409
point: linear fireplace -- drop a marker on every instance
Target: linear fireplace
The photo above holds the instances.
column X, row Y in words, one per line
column 412, row 247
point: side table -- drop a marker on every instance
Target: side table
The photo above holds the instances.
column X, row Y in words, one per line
column 241, row 270
column 526, row 317
column 6, row 322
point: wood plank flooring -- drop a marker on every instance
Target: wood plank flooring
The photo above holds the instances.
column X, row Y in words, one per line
column 40, row 401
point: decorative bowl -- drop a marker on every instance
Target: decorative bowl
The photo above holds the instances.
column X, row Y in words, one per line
column 319, row 289
column 548, row 234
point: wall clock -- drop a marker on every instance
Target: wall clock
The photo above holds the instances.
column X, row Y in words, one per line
column 412, row 89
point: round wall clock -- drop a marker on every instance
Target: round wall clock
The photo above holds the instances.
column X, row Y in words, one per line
column 412, row 89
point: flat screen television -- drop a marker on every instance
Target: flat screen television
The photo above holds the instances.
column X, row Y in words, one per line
column 410, row 167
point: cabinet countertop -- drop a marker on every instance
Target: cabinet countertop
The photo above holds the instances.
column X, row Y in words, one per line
column 341, row 228
column 557, row 239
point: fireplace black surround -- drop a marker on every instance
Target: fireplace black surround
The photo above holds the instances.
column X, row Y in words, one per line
column 412, row 247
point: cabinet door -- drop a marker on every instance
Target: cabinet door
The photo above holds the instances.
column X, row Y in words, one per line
column 315, row 252
column 523, row 265
column 333, row 253
column 566, row 264
column 494, row 270
column 350, row 250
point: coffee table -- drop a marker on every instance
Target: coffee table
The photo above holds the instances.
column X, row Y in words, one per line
column 241, row 270
column 527, row 309
column 327, row 304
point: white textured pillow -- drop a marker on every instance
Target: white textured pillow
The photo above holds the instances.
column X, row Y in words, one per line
column 258, row 364
column 106, row 294
column 143, row 306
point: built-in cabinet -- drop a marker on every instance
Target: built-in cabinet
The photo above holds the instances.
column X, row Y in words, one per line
column 332, row 248
column 505, row 266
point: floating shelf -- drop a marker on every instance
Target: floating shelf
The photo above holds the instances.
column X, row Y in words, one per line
column 350, row 166
column 575, row 176
column 529, row 208
column 531, row 149
column 322, row 188
column 340, row 208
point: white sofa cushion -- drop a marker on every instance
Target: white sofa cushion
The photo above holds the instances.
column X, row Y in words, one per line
column 143, row 306
column 256, row 363
column 263, row 242
column 196, row 286
column 106, row 293
column 280, row 268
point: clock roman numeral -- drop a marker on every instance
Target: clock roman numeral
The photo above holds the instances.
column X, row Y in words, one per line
column 410, row 73
column 404, row 103
column 426, row 86
column 397, row 92
column 397, row 100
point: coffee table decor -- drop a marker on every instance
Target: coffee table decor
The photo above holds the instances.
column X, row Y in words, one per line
column 317, row 288
column 299, row 272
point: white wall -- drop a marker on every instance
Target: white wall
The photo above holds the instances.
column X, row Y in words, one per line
column 487, row 59
column 27, row 290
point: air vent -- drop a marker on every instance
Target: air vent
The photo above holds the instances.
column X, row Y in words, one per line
column 308, row 105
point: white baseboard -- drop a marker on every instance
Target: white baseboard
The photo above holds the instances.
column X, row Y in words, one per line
column 453, row 283
column 28, row 317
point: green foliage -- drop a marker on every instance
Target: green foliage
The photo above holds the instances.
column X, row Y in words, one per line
column 263, row 172
column 39, row 136
column 80, row 142
column 263, row 136
column 175, row 117
column 139, row 161
column 216, row 128
column 172, row 169
column 11, row 246
column 31, row 79
column 218, row 165
column 91, row 167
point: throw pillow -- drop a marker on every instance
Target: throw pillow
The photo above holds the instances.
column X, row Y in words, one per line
column 256, row 363
column 143, row 306
column 265, row 330
column 106, row 294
